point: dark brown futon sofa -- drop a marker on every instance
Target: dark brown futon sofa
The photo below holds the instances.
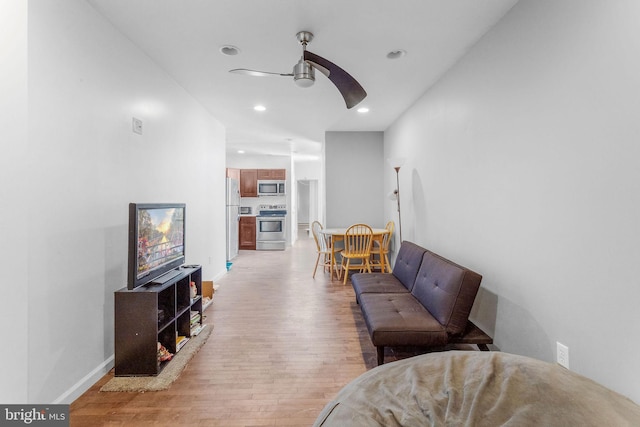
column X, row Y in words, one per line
column 424, row 302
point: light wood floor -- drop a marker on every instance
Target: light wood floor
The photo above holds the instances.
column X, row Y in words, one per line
column 283, row 345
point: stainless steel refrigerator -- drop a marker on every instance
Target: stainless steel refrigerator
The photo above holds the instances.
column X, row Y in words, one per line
column 233, row 217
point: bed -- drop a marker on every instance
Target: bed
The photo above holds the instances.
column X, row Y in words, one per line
column 470, row 388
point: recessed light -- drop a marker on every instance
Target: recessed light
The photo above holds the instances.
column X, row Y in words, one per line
column 363, row 110
column 260, row 108
column 229, row 50
column 395, row 54
column 240, row 151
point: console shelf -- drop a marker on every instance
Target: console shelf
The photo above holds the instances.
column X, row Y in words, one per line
column 152, row 314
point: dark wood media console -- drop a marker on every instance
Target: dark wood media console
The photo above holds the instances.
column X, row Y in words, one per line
column 157, row 312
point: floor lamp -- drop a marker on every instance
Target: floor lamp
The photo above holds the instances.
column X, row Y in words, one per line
column 396, row 163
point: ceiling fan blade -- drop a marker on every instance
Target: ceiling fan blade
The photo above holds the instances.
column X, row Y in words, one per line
column 349, row 88
column 256, row 73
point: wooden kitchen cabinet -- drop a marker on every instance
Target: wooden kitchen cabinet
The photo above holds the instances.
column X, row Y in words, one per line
column 279, row 174
column 249, row 182
column 249, row 179
column 247, row 232
column 233, row 173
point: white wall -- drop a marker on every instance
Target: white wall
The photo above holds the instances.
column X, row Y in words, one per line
column 86, row 82
column 248, row 161
column 354, row 178
column 524, row 166
column 308, row 169
column 14, row 228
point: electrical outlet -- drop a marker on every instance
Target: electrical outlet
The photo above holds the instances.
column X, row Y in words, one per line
column 562, row 354
column 137, row 126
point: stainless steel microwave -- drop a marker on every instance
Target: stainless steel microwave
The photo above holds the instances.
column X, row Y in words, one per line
column 271, row 188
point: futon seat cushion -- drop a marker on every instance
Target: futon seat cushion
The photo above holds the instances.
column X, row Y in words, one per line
column 401, row 280
column 400, row 319
column 377, row 283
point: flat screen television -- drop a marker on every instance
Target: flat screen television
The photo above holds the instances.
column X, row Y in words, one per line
column 156, row 241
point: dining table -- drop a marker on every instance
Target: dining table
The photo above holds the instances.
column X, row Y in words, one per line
column 337, row 235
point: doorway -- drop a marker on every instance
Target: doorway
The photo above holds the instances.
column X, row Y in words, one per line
column 307, row 190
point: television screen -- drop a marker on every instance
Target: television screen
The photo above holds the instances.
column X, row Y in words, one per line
column 156, row 240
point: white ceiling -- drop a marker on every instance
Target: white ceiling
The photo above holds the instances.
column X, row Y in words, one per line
column 184, row 38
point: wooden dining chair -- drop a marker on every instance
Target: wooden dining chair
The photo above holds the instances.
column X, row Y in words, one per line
column 357, row 245
column 323, row 246
column 380, row 250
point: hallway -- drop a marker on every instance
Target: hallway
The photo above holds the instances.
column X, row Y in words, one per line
column 283, row 345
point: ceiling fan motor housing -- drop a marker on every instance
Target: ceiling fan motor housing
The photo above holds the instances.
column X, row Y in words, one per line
column 303, row 74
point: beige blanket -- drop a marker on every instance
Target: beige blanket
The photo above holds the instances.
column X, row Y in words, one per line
column 468, row 388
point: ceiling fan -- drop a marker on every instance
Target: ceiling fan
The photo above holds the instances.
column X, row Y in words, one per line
column 304, row 73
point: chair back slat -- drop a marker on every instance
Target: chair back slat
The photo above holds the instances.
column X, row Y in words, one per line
column 386, row 238
column 316, row 229
column 358, row 238
column 357, row 245
column 324, row 249
column 325, row 242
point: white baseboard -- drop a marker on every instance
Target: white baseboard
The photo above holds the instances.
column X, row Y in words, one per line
column 92, row 377
column 85, row 383
column 219, row 275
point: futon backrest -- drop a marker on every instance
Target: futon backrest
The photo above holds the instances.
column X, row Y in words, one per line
column 408, row 263
column 447, row 290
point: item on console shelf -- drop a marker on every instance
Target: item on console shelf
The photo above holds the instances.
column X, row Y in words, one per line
column 194, row 290
column 196, row 329
column 163, row 354
column 180, row 342
column 205, row 302
column 195, row 317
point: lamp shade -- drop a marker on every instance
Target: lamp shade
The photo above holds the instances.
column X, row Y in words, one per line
column 396, row 162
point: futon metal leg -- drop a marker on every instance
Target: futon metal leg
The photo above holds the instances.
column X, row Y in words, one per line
column 380, row 349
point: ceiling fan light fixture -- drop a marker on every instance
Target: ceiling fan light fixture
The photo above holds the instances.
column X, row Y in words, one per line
column 303, row 74
column 304, row 81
